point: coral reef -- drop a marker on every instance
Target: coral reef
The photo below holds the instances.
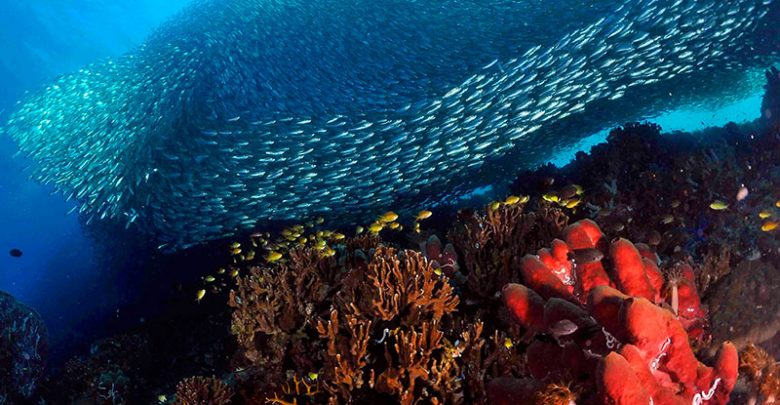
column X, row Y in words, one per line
column 23, row 350
column 614, row 327
column 202, row 391
column 376, row 327
column 770, row 105
column 490, row 243
column 540, row 298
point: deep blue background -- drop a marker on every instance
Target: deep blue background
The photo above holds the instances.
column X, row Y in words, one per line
column 40, row 39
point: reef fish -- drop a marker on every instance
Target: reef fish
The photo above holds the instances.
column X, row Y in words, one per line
column 222, row 118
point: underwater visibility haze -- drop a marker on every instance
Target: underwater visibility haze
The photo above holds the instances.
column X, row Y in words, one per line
column 330, row 201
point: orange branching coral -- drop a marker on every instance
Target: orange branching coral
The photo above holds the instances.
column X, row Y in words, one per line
column 299, row 388
column 762, row 373
column 347, row 352
column 203, row 391
column 409, row 359
column 490, row 243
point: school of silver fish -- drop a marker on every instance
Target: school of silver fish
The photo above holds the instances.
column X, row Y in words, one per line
column 238, row 111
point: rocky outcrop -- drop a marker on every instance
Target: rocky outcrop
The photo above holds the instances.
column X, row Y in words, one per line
column 23, row 349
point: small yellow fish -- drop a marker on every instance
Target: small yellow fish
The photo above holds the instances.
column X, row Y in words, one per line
column 508, row 343
column 668, row 219
column 388, row 216
column 494, row 205
column 437, row 271
column 210, row 279
column 718, row 205
column 511, row 200
column 319, row 220
column 235, row 245
column 777, row 204
column 199, row 295
column 313, row 376
column 329, row 252
column 675, row 203
column 417, row 227
column 273, row 256
column 236, row 251
column 359, row 230
column 337, row 236
column 770, row 226
column 394, row 225
column 375, row 228
column 764, row 214
column 550, row 197
column 425, row 214
column 221, row 270
column 234, row 273
column 579, row 189
column 524, row 199
column 321, row 244
column 573, row 203
column 162, row 398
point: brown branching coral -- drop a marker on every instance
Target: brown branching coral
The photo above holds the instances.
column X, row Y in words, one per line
column 405, row 287
column 489, row 244
column 396, row 305
column 762, row 373
column 272, row 305
column 203, row 391
column 484, row 359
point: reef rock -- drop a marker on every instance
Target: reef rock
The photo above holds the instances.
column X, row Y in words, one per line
column 770, row 106
column 745, row 308
column 23, row 349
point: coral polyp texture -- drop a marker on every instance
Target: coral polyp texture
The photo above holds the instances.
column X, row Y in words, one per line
column 604, row 314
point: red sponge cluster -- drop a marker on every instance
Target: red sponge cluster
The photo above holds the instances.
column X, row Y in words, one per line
column 615, row 325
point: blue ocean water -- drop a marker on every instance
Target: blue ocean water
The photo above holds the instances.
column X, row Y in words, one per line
column 58, row 273
column 39, row 40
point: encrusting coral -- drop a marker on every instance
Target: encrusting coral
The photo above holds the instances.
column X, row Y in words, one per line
column 612, row 327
